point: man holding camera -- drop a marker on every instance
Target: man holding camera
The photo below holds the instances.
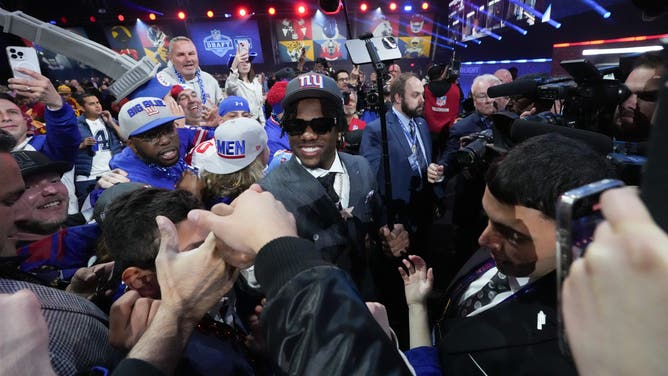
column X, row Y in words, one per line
column 501, row 312
column 441, row 103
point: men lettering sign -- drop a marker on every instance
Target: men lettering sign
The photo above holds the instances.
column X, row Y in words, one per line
column 231, row 149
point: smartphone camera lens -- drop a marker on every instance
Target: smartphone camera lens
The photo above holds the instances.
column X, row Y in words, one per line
column 21, row 54
column 13, row 56
column 12, row 50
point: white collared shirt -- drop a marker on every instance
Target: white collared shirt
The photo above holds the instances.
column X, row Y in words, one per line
column 341, row 180
column 516, row 284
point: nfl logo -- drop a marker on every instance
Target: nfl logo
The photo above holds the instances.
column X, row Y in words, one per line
column 440, row 101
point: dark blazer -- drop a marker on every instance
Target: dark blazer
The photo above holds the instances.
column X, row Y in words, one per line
column 318, row 219
column 405, row 181
column 504, row 340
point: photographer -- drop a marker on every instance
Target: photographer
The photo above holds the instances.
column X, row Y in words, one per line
column 441, row 103
column 633, row 116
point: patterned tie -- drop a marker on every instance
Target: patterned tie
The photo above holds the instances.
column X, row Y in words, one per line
column 327, row 182
column 497, row 285
column 418, row 151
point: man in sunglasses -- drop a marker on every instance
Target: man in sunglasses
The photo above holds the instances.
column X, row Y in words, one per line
column 633, row 116
column 331, row 194
column 152, row 155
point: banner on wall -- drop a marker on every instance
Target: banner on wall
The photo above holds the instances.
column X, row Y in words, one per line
column 320, row 36
column 140, row 40
column 217, row 41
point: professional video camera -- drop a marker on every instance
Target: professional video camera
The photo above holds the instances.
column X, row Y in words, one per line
column 588, row 100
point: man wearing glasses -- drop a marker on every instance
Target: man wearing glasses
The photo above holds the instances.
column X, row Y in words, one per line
column 331, row 194
column 342, row 79
column 152, row 155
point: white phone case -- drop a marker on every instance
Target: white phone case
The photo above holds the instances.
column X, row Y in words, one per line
column 24, row 57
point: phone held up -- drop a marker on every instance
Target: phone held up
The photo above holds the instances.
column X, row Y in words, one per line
column 578, row 214
column 22, row 57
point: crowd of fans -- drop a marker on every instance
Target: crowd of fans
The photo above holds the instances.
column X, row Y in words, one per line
column 242, row 226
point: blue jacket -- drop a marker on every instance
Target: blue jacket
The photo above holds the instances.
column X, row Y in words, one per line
column 275, row 141
column 84, row 161
column 405, row 181
column 148, row 173
column 62, row 138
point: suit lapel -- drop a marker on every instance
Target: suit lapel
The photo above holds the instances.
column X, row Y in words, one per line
column 395, row 130
column 426, row 137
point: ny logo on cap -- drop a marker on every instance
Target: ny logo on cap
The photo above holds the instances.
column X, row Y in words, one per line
column 311, row 80
column 150, row 107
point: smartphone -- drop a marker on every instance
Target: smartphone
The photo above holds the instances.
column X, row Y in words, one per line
column 22, row 57
column 578, row 214
column 243, row 47
column 386, row 47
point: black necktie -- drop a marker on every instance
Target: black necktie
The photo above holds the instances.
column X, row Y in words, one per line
column 327, row 182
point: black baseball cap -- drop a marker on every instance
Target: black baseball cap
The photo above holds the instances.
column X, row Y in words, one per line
column 311, row 85
column 33, row 162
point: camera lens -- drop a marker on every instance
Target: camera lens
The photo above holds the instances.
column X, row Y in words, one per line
column 20, row 53
column 13, row 56
column 12, row 50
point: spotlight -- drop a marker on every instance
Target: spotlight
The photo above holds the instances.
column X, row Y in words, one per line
column 209, row 13
column 181, row 15
column 152, row 16
column 92, row 19
column 364, row 7
column 271, row 11
column 425, row 6
column 301, row 9
column 393, row 6
column 330, row 7
column 121, row 17
column 242, row 12
column 408, row 8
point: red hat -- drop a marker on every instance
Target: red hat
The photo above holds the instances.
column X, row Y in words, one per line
column 275, row 96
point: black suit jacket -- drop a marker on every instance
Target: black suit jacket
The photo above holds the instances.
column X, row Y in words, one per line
column 506, row 339
column 341, row 242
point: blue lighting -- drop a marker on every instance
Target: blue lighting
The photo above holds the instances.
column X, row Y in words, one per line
column 408, row 8
column 537, row 13
column 598, row 8
column 52, row 22
column 516, row 61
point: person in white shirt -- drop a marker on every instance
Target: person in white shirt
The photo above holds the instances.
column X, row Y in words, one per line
column 183, row 68
column 242, row 82
column 100, row 141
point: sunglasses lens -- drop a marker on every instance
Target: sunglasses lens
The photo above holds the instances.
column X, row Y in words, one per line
column 297, row 127
column 322, row 125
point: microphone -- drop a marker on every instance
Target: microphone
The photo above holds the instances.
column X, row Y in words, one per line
column 525, row 88
column 523, row 129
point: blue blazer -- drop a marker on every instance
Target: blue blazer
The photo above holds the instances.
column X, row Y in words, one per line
column 405, row 181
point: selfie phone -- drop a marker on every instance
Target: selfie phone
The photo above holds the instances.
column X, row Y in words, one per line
column 22, row 57
column 386, row 47
column 578, row 214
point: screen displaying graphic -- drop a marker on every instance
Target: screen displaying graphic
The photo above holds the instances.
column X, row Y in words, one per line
column 140, row 40
column 414, row 30
column 319, row 36
column 217, row 41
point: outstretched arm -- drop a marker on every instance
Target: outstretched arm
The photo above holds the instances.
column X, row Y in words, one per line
column 418, row 282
